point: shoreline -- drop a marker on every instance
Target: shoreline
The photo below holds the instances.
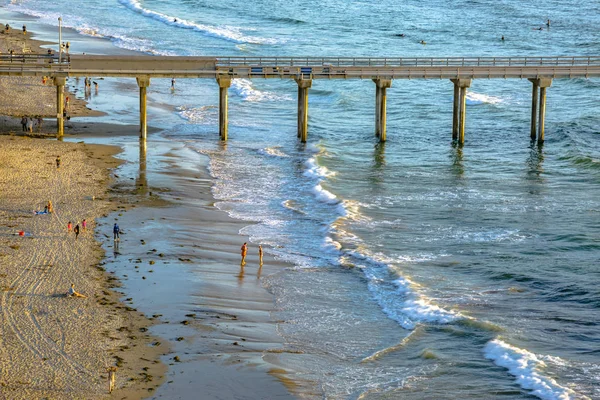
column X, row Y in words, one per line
column 254, row 381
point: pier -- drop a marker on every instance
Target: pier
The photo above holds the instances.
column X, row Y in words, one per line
column 460, row 71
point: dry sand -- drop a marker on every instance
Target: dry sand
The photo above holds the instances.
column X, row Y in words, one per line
column 52, row 346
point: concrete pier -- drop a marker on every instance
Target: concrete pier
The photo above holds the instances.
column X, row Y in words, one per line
column 538, row 117
column 303, row 86
column 224, row 84
column 459, row 114
column 455, row 111
column 143, row 83
column 381, row 86
column 59, row 82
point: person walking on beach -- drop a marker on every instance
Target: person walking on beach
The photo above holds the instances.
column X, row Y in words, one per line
column 69, row 226
column 244, row 252
column 50, row 208
column 116, row 231
column 76, row 230
column 260, row 255
column 173, row 83
column 24, row 29
column 73, row 293
column 84, row 224
column 57, row 162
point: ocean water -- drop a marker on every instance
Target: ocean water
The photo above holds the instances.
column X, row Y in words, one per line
column 418, row 269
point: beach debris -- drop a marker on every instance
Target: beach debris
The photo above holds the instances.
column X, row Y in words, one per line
column 180, row 338
column 112, row 373
column 176, row 358
column 185, row 322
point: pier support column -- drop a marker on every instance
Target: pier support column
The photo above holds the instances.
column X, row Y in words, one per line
column 224, row 84
column 460, row 108
column 59, row 82
column 143, row 83
column 303, row 86
column 539, row 117
column 455, row 111
column 381, row 86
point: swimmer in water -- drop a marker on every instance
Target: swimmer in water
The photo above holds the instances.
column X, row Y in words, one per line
column 423, row 42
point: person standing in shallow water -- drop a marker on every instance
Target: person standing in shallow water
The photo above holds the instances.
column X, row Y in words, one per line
column 244, row 252
column 116, row 231
column 260, row 255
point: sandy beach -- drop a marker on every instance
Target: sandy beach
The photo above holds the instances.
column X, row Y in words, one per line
column 212, row 339
column 54, row 346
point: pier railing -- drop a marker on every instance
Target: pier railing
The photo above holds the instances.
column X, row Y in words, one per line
column 410, row 61
column 302, row 67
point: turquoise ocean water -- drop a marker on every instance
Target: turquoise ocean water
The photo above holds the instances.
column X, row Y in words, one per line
column 421, row 270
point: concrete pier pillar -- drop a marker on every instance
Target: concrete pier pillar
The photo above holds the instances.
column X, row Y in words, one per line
column 377, row 108
column 534, row 109
column 303, row 86
column 455, row 111
column 381, row 86
column 224, row 84
column 538, row 117
column 59, row 82
column 143, row 83
column 460, row 110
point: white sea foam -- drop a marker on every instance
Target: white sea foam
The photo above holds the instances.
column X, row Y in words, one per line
column 478, row 98
column 313, row 170
column 272, row 152
column 401, row 299
column 331, row 246
column 233, row 34
column 73, row 22
column 324, row 195
column 527, row 368
column 246, row 90
column 199, row 115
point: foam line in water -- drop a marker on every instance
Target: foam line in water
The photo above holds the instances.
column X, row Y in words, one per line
column 409, row 338
column 313, row 170
column 232, row 34
column 72, row 22
column 324, row 195
column 246, row 90
column 479, row 98
column 272, row 152
column 527, row 368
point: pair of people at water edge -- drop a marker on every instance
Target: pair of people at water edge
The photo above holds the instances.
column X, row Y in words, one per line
column 245, row 252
